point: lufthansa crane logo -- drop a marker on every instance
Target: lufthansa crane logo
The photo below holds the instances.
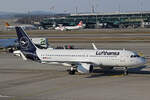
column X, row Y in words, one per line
column 24, row 42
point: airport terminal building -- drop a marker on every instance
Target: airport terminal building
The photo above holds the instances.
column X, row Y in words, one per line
column 101, row 20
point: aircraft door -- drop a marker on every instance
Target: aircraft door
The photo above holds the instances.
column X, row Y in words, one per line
column 123, row 60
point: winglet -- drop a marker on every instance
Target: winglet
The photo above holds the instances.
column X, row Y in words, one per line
column 95, row 48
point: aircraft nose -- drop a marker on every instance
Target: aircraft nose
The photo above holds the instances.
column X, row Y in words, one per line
column 142, row 60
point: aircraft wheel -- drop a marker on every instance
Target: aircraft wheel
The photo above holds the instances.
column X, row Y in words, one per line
column 72, row 72
column 126, row 71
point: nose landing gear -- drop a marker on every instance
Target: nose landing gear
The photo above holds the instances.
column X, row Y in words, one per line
column 125, row 71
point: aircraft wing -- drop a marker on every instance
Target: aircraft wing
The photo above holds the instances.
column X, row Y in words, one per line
column 72, row 62
column 77, row 63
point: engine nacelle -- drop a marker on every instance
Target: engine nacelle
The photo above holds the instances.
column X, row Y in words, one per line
column 85, row 68
column 66, row 64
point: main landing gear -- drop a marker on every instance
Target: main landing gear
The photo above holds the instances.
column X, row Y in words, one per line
column 72, row 70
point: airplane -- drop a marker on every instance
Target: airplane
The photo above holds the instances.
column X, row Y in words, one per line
column 77, row 27
column 26, row 27
column 9, row 27
column 8, row 43
column 79, row 60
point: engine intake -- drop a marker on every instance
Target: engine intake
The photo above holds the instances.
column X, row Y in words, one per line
column 85, row 68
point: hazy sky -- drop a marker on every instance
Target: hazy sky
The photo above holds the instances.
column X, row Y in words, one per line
column 70, row 5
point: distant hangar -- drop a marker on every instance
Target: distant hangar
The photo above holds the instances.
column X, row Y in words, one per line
column 101, row 20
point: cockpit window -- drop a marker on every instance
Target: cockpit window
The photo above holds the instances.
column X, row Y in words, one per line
column 134, row 56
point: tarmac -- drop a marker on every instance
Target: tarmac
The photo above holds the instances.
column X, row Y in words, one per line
column 28, row 80
column 86, row 37
column 82, row 35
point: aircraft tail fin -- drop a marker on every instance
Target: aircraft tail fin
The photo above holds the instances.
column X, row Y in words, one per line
column 80, row 23
column 25, row 42
column 6, row 24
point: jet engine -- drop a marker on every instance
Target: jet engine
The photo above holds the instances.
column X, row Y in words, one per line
column 85, row 68
column 66, row 64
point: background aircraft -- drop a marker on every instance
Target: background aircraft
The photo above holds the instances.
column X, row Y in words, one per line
column 13, row 45
column 77, row 27
column 25, row 27
column 7, row 43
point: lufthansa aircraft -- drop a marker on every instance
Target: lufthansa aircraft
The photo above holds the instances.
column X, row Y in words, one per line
column 79, row 60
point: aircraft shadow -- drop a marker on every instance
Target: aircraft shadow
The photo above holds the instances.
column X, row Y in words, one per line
column 139, row 70
column 100, row 72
